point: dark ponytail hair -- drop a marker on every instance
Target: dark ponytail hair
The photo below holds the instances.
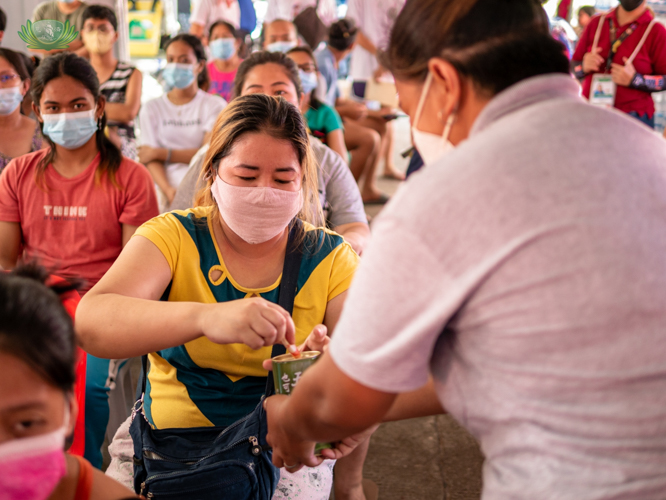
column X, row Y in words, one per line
column 494, row 43
column 69, row 64
column 342, row 34
column 34, row 326
column 203, row 81
column 265, row 57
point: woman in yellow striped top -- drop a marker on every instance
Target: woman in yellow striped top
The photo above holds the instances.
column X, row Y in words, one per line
column 198, row 289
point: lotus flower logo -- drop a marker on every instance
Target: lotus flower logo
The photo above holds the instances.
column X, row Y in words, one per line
column 48, row 34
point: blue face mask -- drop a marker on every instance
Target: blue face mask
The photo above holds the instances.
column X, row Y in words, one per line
column 9, row 100
column 309, row 81
column 223, row 48
column 70, row 130
column 178, row 75
column 281, row 46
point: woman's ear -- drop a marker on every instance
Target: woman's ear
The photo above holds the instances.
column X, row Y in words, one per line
column 73, row 413
column 447, row 86
column 25, row 86
column 301, row 102
column 35, row 108
column 101, row 104
column 199, row 67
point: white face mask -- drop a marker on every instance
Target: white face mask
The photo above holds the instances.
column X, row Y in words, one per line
column 432, row 147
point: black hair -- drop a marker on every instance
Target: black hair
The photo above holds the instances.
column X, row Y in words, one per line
column 587, row 9
column 494, row 43
column 34, row 325
column 100, row 12
column 234, row 32
column 3, row 20
column 314, row 102
column 69, row 64
column 31, row 62
column 342, row 34
column 17, row 61
column 265, row 57
column 203, row 80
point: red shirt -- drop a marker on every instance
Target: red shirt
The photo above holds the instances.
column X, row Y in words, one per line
column 74, row 225
column 70, row 301
column 650, row 60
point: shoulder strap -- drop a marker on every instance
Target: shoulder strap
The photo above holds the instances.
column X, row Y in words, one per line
column 598, row 33
column 642, row 42
column 286, row 296
column 288, row 286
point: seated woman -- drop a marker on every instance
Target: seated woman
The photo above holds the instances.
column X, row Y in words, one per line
column 19, row 134
column 275, row 74
column 363, row 140
column 201, row 285
column 120, row 83
column 76, row 204
column 37, row 405
column 224, row 45
column 324, row 121
column 176, row 124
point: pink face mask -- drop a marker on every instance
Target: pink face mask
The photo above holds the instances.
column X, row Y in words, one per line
column 32, row 467
column 256, row 214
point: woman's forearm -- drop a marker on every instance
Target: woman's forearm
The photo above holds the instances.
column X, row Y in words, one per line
column 422, row 402
column 119, row 112
column 115, row 326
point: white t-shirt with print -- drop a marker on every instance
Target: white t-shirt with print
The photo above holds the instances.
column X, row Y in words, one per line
column 289, row 9
column 167, row 125
column 375, row 18
column 206, row 12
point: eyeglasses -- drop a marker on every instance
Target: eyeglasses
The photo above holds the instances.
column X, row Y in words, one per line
column 5, row 79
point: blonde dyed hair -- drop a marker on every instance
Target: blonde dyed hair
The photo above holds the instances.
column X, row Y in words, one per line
column 259, row 113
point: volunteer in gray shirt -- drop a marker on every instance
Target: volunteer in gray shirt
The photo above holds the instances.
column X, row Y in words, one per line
column 275, row 74
column 518, row 281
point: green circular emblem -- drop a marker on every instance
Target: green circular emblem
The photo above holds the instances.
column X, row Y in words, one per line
column 48, row 30
column 48, row 34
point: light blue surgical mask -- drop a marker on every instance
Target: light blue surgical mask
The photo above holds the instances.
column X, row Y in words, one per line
column 70, row 130
column 223, row 48
column 9, row 100
column 309, row 81
column 178, row 75
column 281, row 47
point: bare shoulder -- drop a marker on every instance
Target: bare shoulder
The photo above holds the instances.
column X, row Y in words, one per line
column 106, row 488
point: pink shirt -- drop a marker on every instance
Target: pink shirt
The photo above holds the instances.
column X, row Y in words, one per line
column 74, row 225
column 221, row 83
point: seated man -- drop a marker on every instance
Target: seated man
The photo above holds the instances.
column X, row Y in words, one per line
column 62, row 11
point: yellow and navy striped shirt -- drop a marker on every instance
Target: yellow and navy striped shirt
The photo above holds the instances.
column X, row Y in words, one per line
column 201, row 383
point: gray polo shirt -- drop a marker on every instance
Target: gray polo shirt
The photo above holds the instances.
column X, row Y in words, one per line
column 338, row 192
column 526, row 272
